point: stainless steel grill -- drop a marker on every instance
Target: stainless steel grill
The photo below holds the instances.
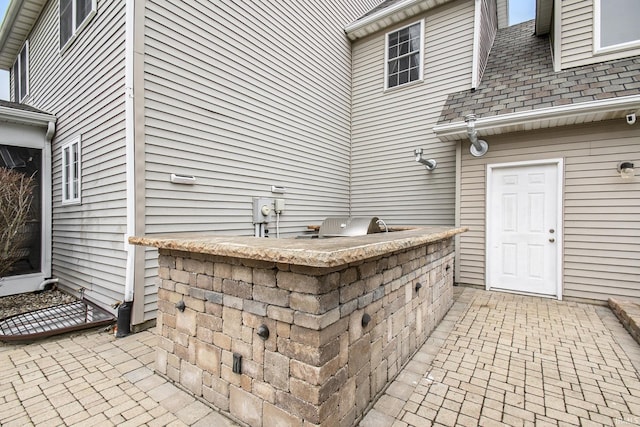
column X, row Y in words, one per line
column 342, row 226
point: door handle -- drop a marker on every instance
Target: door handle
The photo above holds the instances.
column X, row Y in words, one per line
column 552, row 240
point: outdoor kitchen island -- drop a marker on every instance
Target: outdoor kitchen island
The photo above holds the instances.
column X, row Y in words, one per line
column 297, row 332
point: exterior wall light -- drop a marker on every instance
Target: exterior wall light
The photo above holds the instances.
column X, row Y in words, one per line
column 625, row 169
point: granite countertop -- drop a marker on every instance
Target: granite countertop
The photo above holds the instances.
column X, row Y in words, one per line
column 331, row 252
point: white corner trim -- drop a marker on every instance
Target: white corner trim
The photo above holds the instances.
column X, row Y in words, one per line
column 129, row 93
column 557, row 36
column 530, row 116
column 476, row 43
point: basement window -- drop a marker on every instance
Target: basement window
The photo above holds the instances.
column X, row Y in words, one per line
column 616, row 24
column 74, row 16
column 403, row 55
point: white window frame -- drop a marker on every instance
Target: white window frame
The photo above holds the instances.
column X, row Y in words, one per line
column 17, row 74
column 76, row 178
column 76, row 30
column 386, row 57
column 597, row 39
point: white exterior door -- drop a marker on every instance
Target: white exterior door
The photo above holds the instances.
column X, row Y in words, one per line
column 523, row 228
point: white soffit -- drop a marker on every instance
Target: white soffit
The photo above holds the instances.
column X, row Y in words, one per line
column 18, row 21
column 388, row 16
column 566, row 115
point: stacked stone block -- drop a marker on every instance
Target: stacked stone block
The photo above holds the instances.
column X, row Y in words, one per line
column 321, row 365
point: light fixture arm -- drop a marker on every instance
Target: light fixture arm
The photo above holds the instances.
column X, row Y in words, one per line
column 430, row 164
column 478, row 147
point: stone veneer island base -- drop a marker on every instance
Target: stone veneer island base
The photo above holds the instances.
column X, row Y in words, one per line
column 343, row 316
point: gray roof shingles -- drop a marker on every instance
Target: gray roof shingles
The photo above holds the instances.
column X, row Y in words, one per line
column 520, row 77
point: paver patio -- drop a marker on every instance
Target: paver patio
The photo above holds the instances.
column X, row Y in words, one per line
column 504, row 359
column 496, row 359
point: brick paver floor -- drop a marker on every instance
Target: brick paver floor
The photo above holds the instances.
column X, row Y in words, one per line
column 503, row 359
column 92, row 379
column 496, row 359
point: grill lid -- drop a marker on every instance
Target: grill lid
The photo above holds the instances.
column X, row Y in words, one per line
column 341, row 226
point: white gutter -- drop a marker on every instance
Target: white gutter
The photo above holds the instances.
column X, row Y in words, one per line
column 574, row 113
column 17, row 115
column 129, row 150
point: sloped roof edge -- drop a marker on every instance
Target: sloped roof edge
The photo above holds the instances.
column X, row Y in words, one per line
column 20, row 113
column 12, row 36
column 395, row 12
column 564, row 115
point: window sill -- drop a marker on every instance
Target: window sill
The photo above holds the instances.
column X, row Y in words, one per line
column 616, row 48
column 403, row 86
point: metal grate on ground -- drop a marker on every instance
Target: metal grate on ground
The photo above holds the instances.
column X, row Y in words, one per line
column 54, row 320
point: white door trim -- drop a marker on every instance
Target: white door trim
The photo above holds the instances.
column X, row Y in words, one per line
column 559, row 163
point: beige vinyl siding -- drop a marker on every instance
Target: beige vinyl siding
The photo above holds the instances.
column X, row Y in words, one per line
column 601, row 210
column 244, row 96
column 577, row 36
column 503, row 13
column 84, row 88
column 247, row 95
column 388, row 125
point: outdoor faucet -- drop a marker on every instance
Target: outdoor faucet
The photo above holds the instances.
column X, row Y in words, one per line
column 386, row 229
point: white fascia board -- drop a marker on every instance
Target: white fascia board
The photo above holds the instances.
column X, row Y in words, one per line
column 555, row 115
column 15, row 28
column 9, row 18
column 389, row 12
column 15, row 115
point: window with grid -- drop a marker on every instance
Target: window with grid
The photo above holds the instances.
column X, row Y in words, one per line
column 71, row 172
column 404, row 55
column 21, row 74
column 74, row 15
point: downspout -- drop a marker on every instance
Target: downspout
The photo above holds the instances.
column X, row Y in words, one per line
column 124, row 309
column 46, row 223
